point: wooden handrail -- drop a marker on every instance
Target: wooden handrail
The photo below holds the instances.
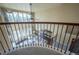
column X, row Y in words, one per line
column 64, row 23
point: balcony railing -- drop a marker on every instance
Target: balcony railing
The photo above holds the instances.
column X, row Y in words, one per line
column 54, row 35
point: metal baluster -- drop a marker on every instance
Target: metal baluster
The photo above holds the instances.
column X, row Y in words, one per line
column 37, row 36
column 51, row 35
column 20, row 33
column 47, row 27
column 23, row 37
column 12, row 33
column 44, row 36
column 4, row 38
column 10, row 19
column 64, row 38
column 22, row 29
column 16, row 28
column 19, row 30
column 38, row 33
column 22, row 25
column 69, row 39
column 31, row 34
column 56, row 36
column 33, row 29
column 28, row 33
column 8, row 36
column 53, row 28
column 75, row 39
column 77, row 33
column 26, row 26
column 50, row 27
column 53, row 32
column 47, row 30
column 60, row 36
column 43, row 33
column 3, row 47
column 16, row 33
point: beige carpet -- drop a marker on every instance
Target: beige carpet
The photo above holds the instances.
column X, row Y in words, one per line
column 34, row 51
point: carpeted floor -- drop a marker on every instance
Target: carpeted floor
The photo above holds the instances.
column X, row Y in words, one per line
column 34, row 51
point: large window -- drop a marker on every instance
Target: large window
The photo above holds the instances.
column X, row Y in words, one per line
column 18, row 17
column 18, row 32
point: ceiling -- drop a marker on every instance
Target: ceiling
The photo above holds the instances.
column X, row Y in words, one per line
column 35, row 6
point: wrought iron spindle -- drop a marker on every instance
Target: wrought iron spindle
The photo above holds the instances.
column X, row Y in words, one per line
column 69, row 38
column 60, row 37
column 77, row 33
column 3, row 47
column 53, row 34
column 12, row 33
column 28, row 34
column 56, row 36
column 4, row 38
column 8, row 36
column 64, row 38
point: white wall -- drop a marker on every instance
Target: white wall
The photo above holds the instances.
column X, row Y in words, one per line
column 51, row 11
column 63, row 13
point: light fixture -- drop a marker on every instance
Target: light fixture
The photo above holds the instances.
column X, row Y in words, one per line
column 31, row 11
